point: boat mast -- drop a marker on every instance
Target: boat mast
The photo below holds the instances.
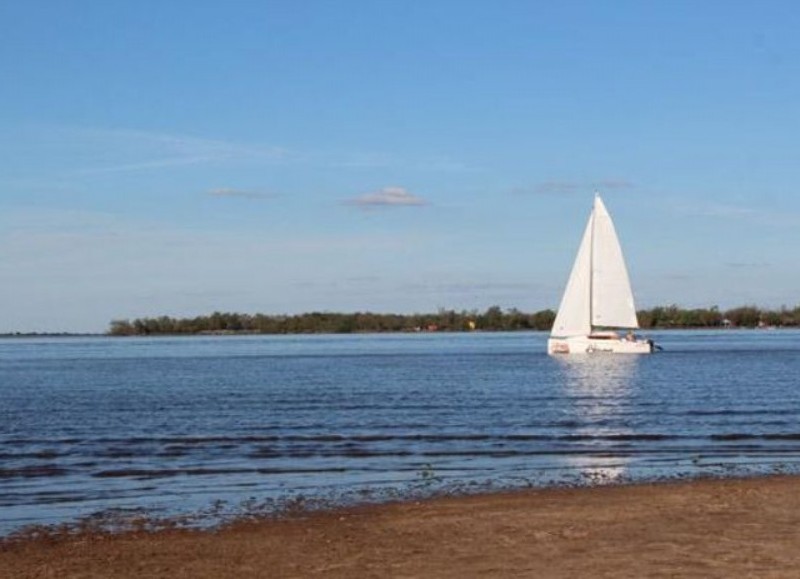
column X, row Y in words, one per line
column 591, row 266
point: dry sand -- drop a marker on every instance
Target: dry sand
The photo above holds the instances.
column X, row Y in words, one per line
column 711, row 528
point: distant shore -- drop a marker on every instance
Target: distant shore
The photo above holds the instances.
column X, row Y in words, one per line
column 705, row 528
column 232, row 333
column 51, row 335
column 492, row 319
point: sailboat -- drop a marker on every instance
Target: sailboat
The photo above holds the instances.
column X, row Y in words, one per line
column 598, row 300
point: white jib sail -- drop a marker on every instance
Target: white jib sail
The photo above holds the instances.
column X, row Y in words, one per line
column 575, row 309
column 612, row 298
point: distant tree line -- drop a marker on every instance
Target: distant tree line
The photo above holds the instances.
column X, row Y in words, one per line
column 493, row 319
column 741, row 317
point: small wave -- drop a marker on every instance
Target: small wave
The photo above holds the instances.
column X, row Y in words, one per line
column 752, row 436
column 163, row 473
column 736, row 412
column 47, row 441
column 33, row 471
column 620, row 437
column 42, row 454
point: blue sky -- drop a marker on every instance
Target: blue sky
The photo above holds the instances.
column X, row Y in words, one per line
column 184, row 157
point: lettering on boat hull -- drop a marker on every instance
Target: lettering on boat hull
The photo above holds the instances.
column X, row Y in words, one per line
column 586, row 345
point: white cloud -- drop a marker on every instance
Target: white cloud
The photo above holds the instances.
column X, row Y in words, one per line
column 388, row 197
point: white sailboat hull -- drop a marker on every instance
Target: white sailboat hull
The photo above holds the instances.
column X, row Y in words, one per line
column 590, row 345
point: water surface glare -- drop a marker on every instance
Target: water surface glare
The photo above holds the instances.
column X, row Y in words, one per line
column 184, row 425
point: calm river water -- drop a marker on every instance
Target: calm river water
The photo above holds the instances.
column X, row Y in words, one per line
column 222, row 425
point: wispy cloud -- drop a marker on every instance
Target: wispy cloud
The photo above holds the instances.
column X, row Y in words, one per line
column 475, row 287
column 677, row 276
column 231, row 193
column 357, row 160
column 613, row 184
column 126, row 150
column 747, row 265
column 445, row 165
column 146, row 165
column 89, row 151
column 753, row 215
column 383, row 160
column 387, row 197
column 557, row 187
column 108, row 265
column 554, row 187
column 721, row 210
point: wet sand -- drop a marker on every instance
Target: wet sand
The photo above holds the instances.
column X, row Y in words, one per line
column 710, row 528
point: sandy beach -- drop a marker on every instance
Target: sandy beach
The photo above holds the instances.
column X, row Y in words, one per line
column 707, row 528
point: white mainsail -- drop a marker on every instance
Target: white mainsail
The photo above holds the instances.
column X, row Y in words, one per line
column 612, row 298
column 598, row 292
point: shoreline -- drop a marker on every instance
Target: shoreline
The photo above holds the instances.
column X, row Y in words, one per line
column 697, row 528
column 224, row 333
